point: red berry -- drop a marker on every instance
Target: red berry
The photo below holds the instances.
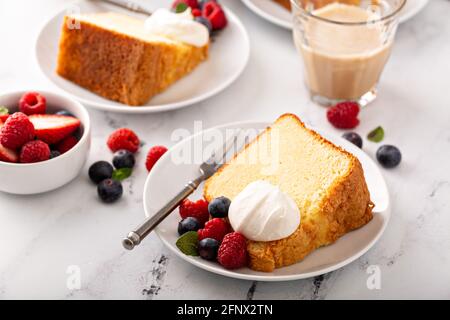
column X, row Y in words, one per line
column 123, row 138
column 66, row 144
column 232, row 252
column 198, row 210
column 215, row 14
column 3, row 118
column 193, row 4
column 196, row 12
column 153, row 156
column 53, row 128
column 344, row 115
column 8, row 155
column 32, row 103
column 16, row 131
column 215, row 228
column 34, row 151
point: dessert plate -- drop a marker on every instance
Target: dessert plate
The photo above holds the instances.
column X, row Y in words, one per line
column 276, row 14
column 180, row 164
column 228, row 56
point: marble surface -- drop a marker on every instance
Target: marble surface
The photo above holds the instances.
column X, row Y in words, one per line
column 42, row 236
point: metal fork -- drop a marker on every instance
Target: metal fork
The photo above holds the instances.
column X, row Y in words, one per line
column 206, row 170
column 128, row 5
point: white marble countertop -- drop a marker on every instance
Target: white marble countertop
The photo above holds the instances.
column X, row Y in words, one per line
column 42, row 235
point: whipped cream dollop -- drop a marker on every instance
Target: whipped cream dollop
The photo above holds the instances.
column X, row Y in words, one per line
column 177, row 26
column 262, row 212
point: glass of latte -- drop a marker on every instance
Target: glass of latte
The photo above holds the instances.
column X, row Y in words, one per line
column 344, row 45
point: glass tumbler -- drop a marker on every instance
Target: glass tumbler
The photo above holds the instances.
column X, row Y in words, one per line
column 344, row 46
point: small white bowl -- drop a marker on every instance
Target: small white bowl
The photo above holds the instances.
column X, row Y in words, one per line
column 47, row 175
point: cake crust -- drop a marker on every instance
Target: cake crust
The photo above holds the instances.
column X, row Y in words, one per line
column 121, row 67
column 284, row 3
column 345, row 207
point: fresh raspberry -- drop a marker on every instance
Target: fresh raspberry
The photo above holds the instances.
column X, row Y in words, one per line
column 153, row 156
column 198, row 210
column 344, row 115
column 16, row 131
column 215, row 228
column 196, row 12
column 123, row 138
column 32, row 103
column 215, row 14
column 232, row 252
column 34, row 151
column 193, row 4
column 66, row 144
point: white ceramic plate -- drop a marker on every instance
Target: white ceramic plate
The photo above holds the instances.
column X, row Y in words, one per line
column 228, row 57
column 273, row 12
column 167, row 178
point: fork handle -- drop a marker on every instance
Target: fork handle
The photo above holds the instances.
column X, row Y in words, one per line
column 128, row 5
column 135, row 237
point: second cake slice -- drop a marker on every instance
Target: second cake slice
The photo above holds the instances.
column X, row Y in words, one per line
column 111, row 55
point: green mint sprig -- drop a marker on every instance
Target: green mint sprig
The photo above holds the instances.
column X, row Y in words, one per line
column 121, row 174
column 187, row 243
column 376, row 135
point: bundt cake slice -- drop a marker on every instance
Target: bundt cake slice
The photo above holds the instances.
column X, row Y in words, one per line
column 111, row 55
column 326, row 182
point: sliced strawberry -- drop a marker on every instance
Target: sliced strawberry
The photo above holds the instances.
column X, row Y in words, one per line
column 3, row 117
column 52, row 128
column 8, row 155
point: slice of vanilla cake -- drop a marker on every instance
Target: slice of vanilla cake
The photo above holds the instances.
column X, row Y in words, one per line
column 114, row 56
column 326, row 183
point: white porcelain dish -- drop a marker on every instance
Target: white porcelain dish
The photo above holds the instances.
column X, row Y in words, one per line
column 278, row 15
column 167, row 178
column 33, row 178
column 228, row 56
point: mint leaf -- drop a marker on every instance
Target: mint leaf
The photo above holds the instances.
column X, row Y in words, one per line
column 181, row 7
column 187, row 243
column 121, row 174
column 376, row 135
column 3, row 110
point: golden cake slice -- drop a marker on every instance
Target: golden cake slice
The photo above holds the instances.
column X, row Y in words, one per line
column 111, row 55
column 326, row 183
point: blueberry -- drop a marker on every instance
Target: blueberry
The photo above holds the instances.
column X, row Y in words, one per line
column 123, row 159
column 205, row 22
column 109, row 190
column 389, row 156
column 64, row 113
column 100, row 171
column 218, row 208
column 188, row 224
column 354, row 138
column 207, row 248
column 54, row 154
